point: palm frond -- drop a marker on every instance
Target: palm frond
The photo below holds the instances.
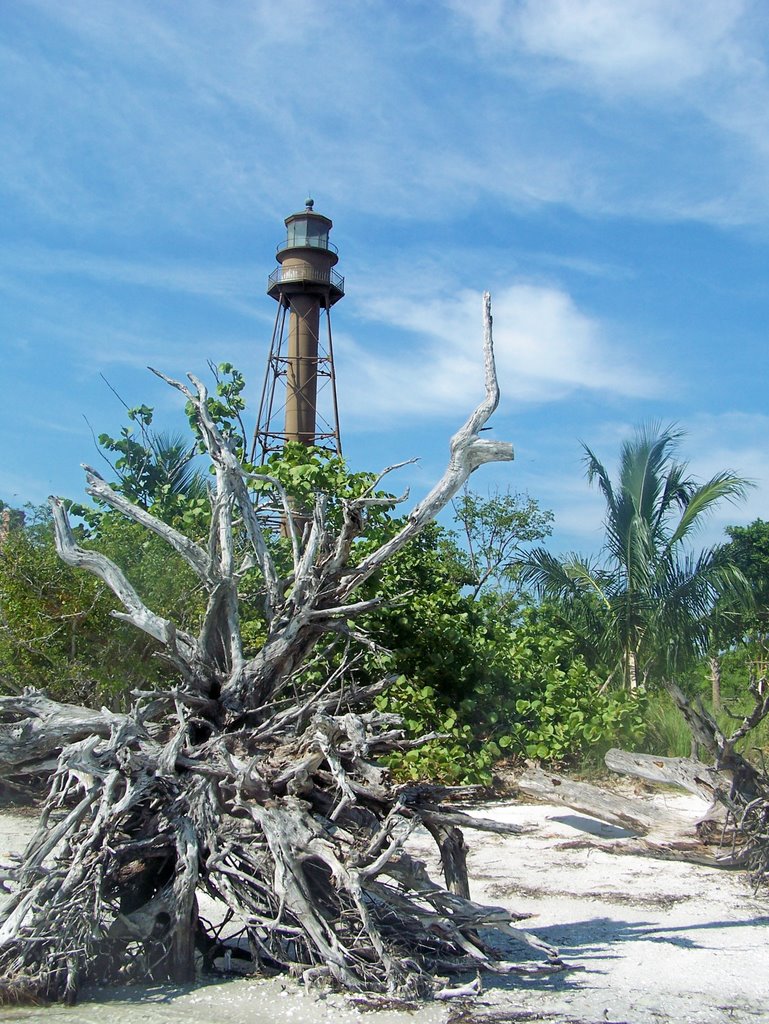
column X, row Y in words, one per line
column 595, row 470
column 563, row 579
column 174, row 460
column 724, row 486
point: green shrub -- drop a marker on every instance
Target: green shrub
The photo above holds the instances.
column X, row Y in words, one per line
column 532, row 698
column 56, row 627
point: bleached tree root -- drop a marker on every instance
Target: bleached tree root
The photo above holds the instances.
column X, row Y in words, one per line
column 300, row 841
column 33, row 731
column 247, row 780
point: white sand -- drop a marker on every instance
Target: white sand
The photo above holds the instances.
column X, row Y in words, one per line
column 659, row 942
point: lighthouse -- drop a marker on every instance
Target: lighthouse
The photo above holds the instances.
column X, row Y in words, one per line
column 301, row 360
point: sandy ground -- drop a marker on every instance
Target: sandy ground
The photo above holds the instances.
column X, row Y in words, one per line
column 657, row 942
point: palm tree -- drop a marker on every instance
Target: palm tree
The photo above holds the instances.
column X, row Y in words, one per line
column 174, row 465
column 644, row 605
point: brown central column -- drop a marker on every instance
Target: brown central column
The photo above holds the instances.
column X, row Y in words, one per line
column 302, row 370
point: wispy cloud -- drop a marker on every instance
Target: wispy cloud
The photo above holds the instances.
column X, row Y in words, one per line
column 136, row 108
column 641, row 47
column 229, row 286
column 682, row 88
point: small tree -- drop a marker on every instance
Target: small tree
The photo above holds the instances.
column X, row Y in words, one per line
column 497, row 532
column 748, row 550
column 645, row 606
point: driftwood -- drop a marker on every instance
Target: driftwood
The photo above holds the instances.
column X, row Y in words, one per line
column 684, row 772
column 630, row 813
column 732, row 833
column 34, row 729
column 243, row 782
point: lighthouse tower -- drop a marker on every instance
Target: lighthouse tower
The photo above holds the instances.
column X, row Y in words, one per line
column 301, row 360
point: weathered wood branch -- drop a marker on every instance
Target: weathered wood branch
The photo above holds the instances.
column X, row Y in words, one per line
column 34, row 729
column 231, row 484
column 468, row 451
column 731, row 833
column 685, row 772
column 740, row 777
column 624, row 812
column 180, row 645
column 302, row 838
column 192, row 553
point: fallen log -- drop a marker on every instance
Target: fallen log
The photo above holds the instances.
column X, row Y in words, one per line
column 733, row 832
column 654, row 831
column 683, row 772
column 639, row 816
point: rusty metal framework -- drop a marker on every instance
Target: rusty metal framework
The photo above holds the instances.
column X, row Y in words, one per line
column 270, row 433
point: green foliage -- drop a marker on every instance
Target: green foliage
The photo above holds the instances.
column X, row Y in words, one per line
column 496, row 530
column 748, row 550
column 667, row 733
column 56, row 628
column 226, row 408
column 554, row 707
column 161, row 577
column 531, row 697
column 491, row 680
column 437, row 634
column 305, row 471
column 456, row 758
column 154, row 470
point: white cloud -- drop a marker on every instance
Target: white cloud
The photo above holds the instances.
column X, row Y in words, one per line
column 546, row 349
column 639, row 46
column 219, row 113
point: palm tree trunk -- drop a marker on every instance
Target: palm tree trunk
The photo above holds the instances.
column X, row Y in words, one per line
column 632, row 670
column 714, row 665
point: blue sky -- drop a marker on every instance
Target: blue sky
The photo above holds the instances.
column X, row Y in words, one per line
column 601, row 166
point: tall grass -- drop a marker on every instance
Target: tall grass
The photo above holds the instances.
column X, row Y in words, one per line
column 668, row 734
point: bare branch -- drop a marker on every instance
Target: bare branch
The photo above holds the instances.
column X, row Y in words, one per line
column 191, row 552
column 356, row 608
column 288, row 512
column 178, row 643
column 385, row 472
column 468, row 451
column 231, row 483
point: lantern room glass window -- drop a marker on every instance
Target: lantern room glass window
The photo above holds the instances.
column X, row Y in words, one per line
column 308, row 231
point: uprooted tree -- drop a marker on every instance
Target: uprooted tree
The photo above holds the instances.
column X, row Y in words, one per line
column 734, row 830
column 240, row 780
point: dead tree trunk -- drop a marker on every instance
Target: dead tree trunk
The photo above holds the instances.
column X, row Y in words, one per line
column 237, row 781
